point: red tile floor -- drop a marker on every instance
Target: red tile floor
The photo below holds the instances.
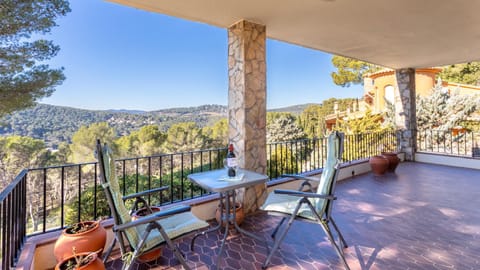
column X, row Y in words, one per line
column 422, row 217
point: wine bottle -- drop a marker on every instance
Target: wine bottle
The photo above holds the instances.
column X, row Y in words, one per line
column 231, row 161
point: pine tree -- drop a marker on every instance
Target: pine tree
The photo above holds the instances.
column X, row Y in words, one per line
column 24, row 76
column 368, row 123
column 284, row 128
column 443, row 110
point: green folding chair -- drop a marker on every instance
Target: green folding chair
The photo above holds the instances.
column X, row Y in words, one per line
column 306, row 204
column 146, row 233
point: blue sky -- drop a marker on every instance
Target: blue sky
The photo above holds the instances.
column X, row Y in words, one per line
column 117, row 57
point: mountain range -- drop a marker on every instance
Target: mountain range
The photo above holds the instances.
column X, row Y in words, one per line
column 56, row 124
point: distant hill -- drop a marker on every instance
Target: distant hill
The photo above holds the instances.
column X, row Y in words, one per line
column 56, row 124
column 294, row 109
column 126, row 111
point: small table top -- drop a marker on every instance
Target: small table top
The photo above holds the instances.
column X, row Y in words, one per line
column 218, row 180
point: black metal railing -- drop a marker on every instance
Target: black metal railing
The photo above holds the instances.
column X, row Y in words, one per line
column 295, row 156
column 47, row 199
column 364, row 145
column 306, row 155
column 452, row 142
column 65, row 194
column 13, row 220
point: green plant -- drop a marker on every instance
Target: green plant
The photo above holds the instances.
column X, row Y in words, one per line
column 80, row 227
column 127, row 258
column 78, row 260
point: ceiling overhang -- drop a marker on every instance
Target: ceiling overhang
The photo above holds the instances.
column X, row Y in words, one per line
column 395, row 34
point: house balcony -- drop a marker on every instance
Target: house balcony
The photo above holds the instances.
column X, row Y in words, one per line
column 421, row 217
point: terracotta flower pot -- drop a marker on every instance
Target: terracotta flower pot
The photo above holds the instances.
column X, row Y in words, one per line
column 93, row 263
column 90, row 240
column 239, row 214
column 379, row 165
column 393, row 160
column 154, row 253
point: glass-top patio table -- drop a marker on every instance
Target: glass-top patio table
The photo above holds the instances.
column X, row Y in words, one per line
column 218, row 181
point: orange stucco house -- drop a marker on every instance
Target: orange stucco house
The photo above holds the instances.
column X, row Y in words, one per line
column 379, row 87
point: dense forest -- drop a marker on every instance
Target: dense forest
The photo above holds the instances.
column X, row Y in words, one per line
column 29, row 142
column 57, row 124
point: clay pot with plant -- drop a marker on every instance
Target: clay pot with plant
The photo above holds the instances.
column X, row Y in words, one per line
column 393, row 160
column 87, row 236
column 81, row 261
column 154, row 253
column 379, row 165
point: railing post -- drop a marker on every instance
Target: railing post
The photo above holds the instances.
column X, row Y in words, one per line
column 13, row 220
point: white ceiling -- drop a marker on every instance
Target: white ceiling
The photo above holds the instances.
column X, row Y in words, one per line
column 391, row 33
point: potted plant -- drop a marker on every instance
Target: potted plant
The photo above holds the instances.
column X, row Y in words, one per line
column 390, row 154
column 85, row 236
column 81, row 261
column 379, row 165
column 393, row 160
column 156, row 252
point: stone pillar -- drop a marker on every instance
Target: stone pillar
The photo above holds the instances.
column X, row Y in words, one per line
column 247, row 107
column 405, row 111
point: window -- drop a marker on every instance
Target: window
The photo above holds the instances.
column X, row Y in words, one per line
column 389, row 94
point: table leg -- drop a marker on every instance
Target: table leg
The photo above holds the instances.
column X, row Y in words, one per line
column 227, row 224
column 242, row 231
column 227, row 214
column 216, row 228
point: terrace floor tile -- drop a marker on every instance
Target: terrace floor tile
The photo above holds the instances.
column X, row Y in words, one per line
column 422, row 217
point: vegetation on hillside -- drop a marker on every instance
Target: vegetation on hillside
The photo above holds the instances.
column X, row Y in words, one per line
column 56, row 124
column 72, row 132
column 466, row 73
column 312, row 119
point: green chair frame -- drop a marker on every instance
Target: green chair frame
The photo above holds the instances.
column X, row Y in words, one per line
column 306, row 204
column 148, row 232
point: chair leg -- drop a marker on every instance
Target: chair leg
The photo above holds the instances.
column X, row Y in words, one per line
column 174, row 248
column 342, row 240
column 127, row 263
column 279, row 240
column 109, row 250
column 278, row 226
column 340, row 254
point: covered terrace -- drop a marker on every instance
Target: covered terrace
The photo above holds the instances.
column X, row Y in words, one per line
column 402, row 35
column 423, row 217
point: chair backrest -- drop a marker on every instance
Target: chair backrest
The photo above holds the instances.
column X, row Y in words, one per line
column 109, row 182
column 330, row 171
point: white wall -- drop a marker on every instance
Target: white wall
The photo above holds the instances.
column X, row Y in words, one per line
column 463, row 162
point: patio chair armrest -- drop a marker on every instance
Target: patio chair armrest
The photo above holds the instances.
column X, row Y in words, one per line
column 144, row 193
column 152, row 217
column 301, row 177
column 303, row 194
column 305, row 183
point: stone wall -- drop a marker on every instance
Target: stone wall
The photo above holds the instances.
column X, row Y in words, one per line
column 405, row 111
column 247, row 103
